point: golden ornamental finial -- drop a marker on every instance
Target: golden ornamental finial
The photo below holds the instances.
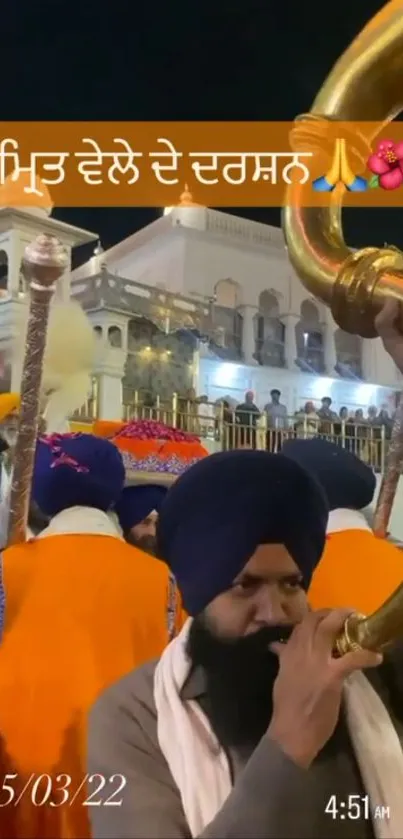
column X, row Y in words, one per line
column 16, row 193
column 186, row 198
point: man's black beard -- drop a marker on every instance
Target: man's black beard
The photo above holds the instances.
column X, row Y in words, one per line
column 144, row 543
column 240, row 676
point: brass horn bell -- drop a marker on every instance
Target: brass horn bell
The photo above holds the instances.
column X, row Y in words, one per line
column 375, row 632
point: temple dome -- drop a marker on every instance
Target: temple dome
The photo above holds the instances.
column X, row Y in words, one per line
column 185, row 200
column 14, row 196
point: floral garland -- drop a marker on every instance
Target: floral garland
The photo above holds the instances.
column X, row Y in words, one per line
column 152, row 430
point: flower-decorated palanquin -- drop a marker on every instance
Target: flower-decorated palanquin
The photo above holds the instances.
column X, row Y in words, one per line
column 152, row 451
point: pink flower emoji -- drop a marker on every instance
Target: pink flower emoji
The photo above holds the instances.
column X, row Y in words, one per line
column 387, row 163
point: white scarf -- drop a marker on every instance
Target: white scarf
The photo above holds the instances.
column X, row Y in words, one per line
column 83, row 520
column 200, row 767
column 342, row 519
column 5, row 487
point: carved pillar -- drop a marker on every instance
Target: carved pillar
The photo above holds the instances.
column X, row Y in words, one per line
column 330, row 348
column 248, row 333
column 290, row 321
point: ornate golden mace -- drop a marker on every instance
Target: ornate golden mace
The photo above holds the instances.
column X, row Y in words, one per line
column 366, row 85
column 44, row 262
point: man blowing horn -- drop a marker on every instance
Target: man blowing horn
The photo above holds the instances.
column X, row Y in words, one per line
column 248, row 725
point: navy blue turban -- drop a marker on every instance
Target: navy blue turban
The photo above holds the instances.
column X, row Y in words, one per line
column 137, row 502
column 76, row 470
column 220, row 510
column 347, row 482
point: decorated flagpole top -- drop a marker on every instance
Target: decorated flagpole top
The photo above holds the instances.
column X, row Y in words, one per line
column 45, row 260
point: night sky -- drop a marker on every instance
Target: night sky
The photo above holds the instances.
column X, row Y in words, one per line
column 136, row 60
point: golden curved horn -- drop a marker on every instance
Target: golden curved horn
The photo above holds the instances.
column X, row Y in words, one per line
column 366, row 84
column 376, row 632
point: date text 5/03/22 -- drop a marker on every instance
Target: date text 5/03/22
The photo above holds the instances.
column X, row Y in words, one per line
column 56, row 791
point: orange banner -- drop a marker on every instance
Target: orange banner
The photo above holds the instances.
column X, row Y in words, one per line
column 309, row 163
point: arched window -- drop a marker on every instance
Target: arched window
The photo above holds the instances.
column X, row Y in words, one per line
column 98, row 331
column 227, row 321
column 140, row 333
column 349, row 354
column 309, row 339
column 115, row 336
column 270, row 332
column 3, row 273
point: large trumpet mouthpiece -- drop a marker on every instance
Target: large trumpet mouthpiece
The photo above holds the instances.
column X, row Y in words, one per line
column 375, row 632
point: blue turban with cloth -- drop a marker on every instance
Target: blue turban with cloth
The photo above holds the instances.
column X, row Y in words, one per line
column 76, row 470
column 220, row 510
column 137, row 502
column 348, row 483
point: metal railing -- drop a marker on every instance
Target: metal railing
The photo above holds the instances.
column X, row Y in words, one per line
column 159, row 410
column 369, row 443
column 89, row 411
column 219, row 427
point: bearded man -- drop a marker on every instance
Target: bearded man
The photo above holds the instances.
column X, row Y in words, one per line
column 137, row 511
column 248, row 726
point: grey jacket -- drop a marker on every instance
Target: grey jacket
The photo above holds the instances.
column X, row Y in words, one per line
column 272, row 798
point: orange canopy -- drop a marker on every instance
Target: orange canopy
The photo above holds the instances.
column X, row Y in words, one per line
column 140, row 449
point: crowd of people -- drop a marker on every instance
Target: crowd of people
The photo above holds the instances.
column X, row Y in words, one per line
column 351, row 423
column 248, row 425
column 167, row 656
column 322, row 420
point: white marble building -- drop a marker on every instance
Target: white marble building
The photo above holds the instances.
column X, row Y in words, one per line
column 18, row 228
column 230, row 278
column 193, row 274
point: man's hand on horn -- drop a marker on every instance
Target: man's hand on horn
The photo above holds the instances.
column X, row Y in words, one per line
column 308, row 691
column 386, row 327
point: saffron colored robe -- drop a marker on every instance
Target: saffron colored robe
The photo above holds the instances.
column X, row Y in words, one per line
column 81, row 611
column 356, row 569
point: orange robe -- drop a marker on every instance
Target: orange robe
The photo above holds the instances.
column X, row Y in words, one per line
column 81, row 612
column 356, row 569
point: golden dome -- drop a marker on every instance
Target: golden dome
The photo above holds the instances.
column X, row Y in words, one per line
column 185, row 200
column 13, row 194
